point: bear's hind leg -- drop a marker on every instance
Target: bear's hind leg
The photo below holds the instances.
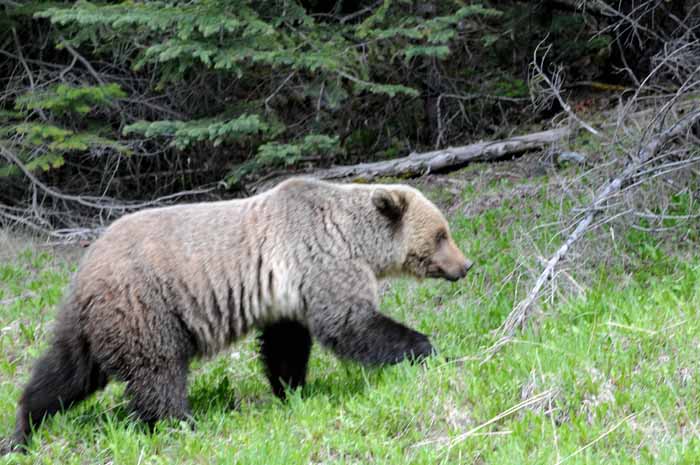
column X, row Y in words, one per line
column 65, row 375
column 159, row 393
column 285, row 347
column 139, row 339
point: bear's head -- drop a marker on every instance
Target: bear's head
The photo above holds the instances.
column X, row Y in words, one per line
column 427, row 245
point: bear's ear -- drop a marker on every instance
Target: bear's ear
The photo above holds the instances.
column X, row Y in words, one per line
column 390, row 204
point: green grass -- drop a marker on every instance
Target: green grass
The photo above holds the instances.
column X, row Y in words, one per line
column 618, row 364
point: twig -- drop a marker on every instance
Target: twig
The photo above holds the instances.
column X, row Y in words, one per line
column 21, row 59
column 102, row 203
column 545, row 395
column 542, row 396
column 367, row 9
column 271, row 96
column 155, row 107
column 599, row 438
column 555, row 90
column 82, row 59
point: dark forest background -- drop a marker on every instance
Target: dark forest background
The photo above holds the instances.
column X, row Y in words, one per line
column 107, row 107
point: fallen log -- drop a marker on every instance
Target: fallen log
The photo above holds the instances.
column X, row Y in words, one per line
column 417, row 164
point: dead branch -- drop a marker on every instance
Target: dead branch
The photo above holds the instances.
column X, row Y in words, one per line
column 590, row 6
column 20, row 56
column 82, row 59
column 35, row 218
column 101, row 203
column 554, row 84
column 518, row 317
column 417, row 164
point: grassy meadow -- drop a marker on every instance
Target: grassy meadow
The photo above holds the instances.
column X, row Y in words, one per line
column 605, row 373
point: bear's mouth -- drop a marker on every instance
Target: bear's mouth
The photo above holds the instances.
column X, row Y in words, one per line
column 452, row 278
column 437, row 272
column 443, row 275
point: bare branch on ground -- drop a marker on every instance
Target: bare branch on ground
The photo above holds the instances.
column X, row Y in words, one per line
column 522, row 311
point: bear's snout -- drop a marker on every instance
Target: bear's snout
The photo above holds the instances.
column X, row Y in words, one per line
column 459, row 273
column 463, row 270
column 449, row 263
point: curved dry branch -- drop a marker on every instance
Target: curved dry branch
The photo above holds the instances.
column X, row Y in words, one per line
column 554, row 85
column 102, row 203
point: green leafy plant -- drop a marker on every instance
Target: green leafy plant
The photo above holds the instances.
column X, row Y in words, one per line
column 62, row 98
column 184, row 134
column 242, row 40
column 43, row 145
column 274, row 154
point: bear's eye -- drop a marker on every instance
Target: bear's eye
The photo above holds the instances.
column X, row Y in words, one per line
column 441, row 236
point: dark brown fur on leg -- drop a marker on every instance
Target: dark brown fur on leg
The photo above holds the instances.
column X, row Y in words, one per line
column 285, row 348
column 344, row 318
column 160, row 393
column 63, row 376
column 371, row 338
column 136, row 340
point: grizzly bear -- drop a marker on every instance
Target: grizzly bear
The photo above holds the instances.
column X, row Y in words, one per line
column 299, row 262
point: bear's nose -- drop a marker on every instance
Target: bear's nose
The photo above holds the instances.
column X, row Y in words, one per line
column 467, row 266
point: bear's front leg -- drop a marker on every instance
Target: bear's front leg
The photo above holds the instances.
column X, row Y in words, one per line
column 284, row 349
column 344, row 317
column 371, row 338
